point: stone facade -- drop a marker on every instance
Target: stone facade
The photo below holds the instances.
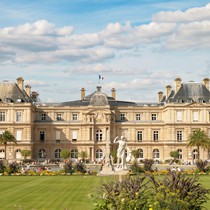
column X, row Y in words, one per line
column 155, row 129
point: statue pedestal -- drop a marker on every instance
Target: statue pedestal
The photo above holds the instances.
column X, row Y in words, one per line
column 121, row 174
column 106, row 171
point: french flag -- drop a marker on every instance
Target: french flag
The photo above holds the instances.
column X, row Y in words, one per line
column 100, row 77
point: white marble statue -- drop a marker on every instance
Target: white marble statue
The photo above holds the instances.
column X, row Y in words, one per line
column 121, row 152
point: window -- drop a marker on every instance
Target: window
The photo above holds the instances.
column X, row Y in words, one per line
column 42, row 153
column 138, row 117
column 179, row 116
column 59, row 117
column 74, row 135
column 156, row 153
column 58, row 153
column 179, row 136
column 99, row 135
column 154, row 117
column 41, row 135
column 43, row 117
column 18, row 116
column 180, row 154
column 58, row 136
column 195, row 154
column 195, row 116
column 139, row 135
column 141, row 154
column 2, row 154
column 19, row 135
column 74, row 153
column 2, row 116
column 18, row 154
column 155, row 136
column 99, row 154
column 74, row 116
column 122, row 117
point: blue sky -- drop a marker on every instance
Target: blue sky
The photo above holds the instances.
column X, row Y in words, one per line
column 138, row 46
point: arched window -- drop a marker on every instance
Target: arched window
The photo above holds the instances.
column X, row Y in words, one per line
column 195, row 154
column 99, row 154
column 2, row 154
column 42, row 153
column 156, row 153
column 141, row 154
column 58, row 153
column 180, row 154
column 18, row 154
column 99, row 135
column 74, row 153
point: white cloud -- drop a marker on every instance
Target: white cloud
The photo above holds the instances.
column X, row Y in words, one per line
column 192, row 14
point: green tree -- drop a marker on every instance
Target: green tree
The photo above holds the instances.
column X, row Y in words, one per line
column 174, row 154
column 83, row 155
column 135, row 153
column 5, row 138
column 199, row 138
column 25, row 153
column 65, row 154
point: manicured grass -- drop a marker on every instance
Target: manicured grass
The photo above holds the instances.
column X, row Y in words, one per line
column 47, row 192
column 54, row 192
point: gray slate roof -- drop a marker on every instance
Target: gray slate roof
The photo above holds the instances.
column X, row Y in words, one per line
column 10, row 92
column 190, row 92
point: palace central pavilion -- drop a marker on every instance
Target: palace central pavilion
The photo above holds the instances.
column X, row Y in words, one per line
column 154, row 129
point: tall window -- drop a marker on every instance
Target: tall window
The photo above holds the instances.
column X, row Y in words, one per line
column 154, row 117
column 180, row 154
column 58, row 136
column 42, row 153
column 122, row 117
column 99, row 135
column 18, row 135
column 59, row 117
column 99, row 154
column 195, row 116
column 179, row 116
column 2, row 154
column 139, row 135
column 138, row 117
column 74, row 135
column 18, row 116
column 195, row 154
column 74, row 116
column 18, row 154
column 155, row 136
column 74, row 153
column 156, row 153
column 141, row 153
column 42, row 135
column 43, row 117
column 2, row 116
column 58, row 153
column 179, row 136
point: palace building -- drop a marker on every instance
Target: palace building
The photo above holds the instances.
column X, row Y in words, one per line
column 154, row 129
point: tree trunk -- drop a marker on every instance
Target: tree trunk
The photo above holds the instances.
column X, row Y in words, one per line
column 198, row 148
column 5, row 151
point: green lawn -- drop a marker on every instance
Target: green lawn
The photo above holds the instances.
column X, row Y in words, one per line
column 47, row 192
column 53, row 192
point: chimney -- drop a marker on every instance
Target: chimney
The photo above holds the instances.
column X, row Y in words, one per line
column 177, row 82
column 34, row 95
column 20, row 82
column 28, row 90
column 206, row 82
column 160, row 96
column 113, row 93
column 82, row 93
column 168, row 90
